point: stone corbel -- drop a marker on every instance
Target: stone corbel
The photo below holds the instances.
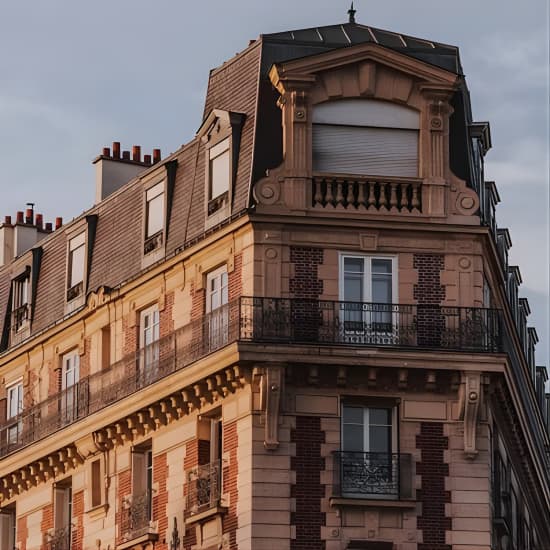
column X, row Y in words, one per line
column 469, row 400
column 271, row 386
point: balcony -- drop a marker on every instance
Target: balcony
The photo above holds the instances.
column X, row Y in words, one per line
column 363, row 193
column 285, row 321
column 203, row 489
column 370, row 475
column 60, row 539
column 136, row 516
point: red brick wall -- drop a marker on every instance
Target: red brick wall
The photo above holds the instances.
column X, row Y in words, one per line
column 306, row 282
column 85, row 359
column 308, row 491
column 78, row 520
column 160, row 499
column 22, row 533
column 47, row 521
column 166, row 318
column 130, row 336
column 230, row 473
column 197, row 302
column 190, row 461
column 429, row 293
column 124, row 488
column 432, row 470
column 235, row 278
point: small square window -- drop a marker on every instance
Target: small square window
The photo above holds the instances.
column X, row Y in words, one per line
column 154, row 218
column 76, row 267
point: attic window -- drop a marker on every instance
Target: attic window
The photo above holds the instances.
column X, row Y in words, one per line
column 77, row 257
column 20, row 302
column 365, row 137
column 220, row 175
column 154, row 218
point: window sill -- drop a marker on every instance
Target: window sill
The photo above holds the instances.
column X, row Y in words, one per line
column 98, row 512
column 195, row 518
column 372, row 502
column 138, row 541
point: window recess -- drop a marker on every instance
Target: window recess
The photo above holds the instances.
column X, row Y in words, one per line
column 219, row 175
column 76, row 267
column 154, row 218
column 365, row 137
column 21, row 301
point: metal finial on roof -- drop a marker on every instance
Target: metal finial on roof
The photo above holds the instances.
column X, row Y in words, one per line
column 351, row 13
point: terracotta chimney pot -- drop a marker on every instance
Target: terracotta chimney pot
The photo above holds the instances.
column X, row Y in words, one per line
column 116, row 149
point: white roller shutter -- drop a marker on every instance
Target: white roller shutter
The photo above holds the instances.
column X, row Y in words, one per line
column 365, row 150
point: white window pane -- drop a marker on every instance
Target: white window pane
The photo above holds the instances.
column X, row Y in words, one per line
column 155, row 215
column 380, row 265
column 77, row 266
column 354, row 265
column 380, row 417
column 219, row 175
column 218, row 149
column 353, row 415
column 155, row 191
column 379, row 439
column 353, row 289
column 77, row 241
column 353, row 438
column 381, row 289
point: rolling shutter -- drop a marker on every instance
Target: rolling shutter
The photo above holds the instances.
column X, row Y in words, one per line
column 365, row 150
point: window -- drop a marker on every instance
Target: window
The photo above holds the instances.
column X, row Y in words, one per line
column 76, row 267
column 361, row 136
column 70, row 376
column 149, row 346
column 96, row 497
column 14, row 410
column 220, row 175
column 368, row 292
column 137, row 519
column 217, row 295
column 8, row 527
column 154, row 218
column 20, row 302
column 368, row 466
column 63, row 505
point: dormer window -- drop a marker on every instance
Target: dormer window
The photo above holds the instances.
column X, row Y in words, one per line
column 20, row 303
column 154, row 218
column 220, row 175
column 365, row 137
column 76, row 268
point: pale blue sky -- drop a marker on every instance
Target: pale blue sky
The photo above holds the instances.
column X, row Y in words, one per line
column 78, row 75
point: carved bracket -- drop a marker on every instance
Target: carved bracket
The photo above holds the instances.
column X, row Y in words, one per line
column 469, row 400
column 271, row 389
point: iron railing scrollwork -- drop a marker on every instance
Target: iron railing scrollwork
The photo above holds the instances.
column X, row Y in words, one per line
column 136, row 516
column 372, row 475
column 203, row 488
column 60, row 539
column 258, row 320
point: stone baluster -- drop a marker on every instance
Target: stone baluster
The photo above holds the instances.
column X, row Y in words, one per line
column 360, row 193
column 329, row 197
column 372, row 198
column 382, row 203
column 393, row 197
column 415, row 203
column 318, row 197
column 339, row 194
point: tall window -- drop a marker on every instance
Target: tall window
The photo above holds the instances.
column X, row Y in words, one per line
column 20, row 301
column 149, row 346
column 368, row 288
column 14, row 409
column 8, row 527
column 63, row 513
column 70, row 376
column 139, row 511
column 75, row 281
column 154, row 218
column 219, row 169
column 362, row 136
column 217, row 295
column 368, row 467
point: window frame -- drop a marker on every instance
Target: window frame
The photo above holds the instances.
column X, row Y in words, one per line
column 77, row 242
column 218, row 317
column 218, row 207
column 155, row 241
column 16, row 427
column 149, row 352
column 70, row 395
column 21, row 302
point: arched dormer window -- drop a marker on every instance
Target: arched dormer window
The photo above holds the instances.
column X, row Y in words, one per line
column 365, row 136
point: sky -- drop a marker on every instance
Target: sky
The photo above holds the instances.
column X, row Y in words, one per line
column 76, row 76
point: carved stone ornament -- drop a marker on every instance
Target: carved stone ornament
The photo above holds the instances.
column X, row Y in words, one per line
column 268, row 189
column 469, row 400
column 271, row 390
column 464, row 201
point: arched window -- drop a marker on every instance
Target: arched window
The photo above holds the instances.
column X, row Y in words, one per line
column 364, row 136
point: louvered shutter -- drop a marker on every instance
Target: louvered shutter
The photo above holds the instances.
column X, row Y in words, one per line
column 365, row 150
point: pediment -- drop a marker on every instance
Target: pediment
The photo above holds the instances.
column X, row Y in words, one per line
column 366, row 56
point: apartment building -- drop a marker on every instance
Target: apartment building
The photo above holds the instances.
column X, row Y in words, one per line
column 299, row 331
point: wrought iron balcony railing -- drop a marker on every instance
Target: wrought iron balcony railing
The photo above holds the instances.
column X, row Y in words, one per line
column 203, row 488
column 372, row 475
column 136, row 517
column 60, row 539
column 261, row 320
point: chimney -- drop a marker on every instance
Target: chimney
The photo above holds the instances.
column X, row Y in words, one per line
column 58, row 222
column 29, row 216
column 7, row 220
column 156, row 156
column 39, row 221
column 20, row 217
column 113, row 171
column 49, row 226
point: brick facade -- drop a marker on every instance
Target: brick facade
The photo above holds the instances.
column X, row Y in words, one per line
column 160, row 498
column 235, row 278
column 78, row 521
column 124, row 489
column 22, row 533
column 432, row 470
column 46, row 524
column 308, row 491
column 306, row 282
column 229, row 477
